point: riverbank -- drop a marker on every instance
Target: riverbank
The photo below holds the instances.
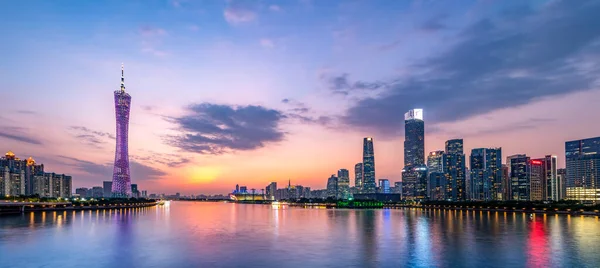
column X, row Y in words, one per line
column 7, row 208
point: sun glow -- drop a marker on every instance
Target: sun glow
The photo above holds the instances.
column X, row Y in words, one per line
column 202, row 175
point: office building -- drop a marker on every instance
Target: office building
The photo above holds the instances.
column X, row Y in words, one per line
column 561, row 178
column 25, row 177
column 414, row 173
column 414, row 138
column 121, row 182
column 550, row 170
column 505, row 183
column 83, row 192
column 520, row 172
column 486, row 174
column 509, row 187
column 107, row 187
column 436, row 186
column 435, row 162
column 332, row 187
column 368, row 166
column 455, row 171
column 544, row 179
column 583, row 170
column 537, row 179
column 343, row 184
column 271, row 189
column 384, row 186
column 358, row 175
column 97, row 192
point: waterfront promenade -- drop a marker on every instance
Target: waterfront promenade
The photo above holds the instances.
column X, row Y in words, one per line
column 11, row 207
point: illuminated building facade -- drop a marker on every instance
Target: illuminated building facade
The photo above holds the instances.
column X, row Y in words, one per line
column 520, row 171
column 455, row 171
column 369, row 185
column 384, row 186
column 583, row 170
column 358, row 175
column 436, row 186
column 17, row 177
column 332, row 186
column 414, row 138
column 486, row 174
column 343, row 184
column 537, row 180
column 121, row 182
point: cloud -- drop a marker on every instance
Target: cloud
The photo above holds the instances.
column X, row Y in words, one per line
column 148, row 108
column 138, row 171
column 494, row 64
column 26, row 112
column 18, row 134
column 267, row 43
column 300, row 112
column 341, row 84
column 433, row 24
column 275, row 8
column 170, row 160
column 148, row 31
column 238, row 11
column 215, row 129
column 91, row 137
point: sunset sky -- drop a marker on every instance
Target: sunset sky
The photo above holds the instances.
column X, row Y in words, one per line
column 229, row 92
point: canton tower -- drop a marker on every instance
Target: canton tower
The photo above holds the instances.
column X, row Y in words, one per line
column 121, row 182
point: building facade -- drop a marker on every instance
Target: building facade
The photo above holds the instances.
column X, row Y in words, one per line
column 583, row 170
column 121, row 182
column 486, row 174
column 358, row 175
column 343, row 184
column 414, row 173
column 520, row 172
column 455, row 171
column 369, row 185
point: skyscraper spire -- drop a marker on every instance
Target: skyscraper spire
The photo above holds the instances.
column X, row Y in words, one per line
column 122, row 78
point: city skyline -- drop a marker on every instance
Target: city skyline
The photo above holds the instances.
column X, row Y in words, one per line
column 224, row 97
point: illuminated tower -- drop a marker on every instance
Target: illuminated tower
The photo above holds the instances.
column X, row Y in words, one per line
column 369, row 185
column 121, row 183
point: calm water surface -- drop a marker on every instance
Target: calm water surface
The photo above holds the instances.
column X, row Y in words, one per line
column 190, row 234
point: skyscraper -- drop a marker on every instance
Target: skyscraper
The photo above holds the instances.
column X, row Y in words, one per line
column 561, row 178
column 414, row 173
column 121, row 183
column 583, row 170
column 455, row 171
column 543, row 179
column 414, row 138
column 436, row 186
column 509, row 183
column 435, row 162
column 537, row 180
column 384, row 186
column 343, row 184
column 551, row 170
column 520, row 172
column 358, row 175
column 369, row 185
column 486, row 174
column 332, row 186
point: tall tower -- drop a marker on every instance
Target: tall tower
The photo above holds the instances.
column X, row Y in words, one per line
column 414, row 138
column 369, row 185
column 121, row 183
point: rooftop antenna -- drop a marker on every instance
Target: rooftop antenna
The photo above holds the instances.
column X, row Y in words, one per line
column 122, row 78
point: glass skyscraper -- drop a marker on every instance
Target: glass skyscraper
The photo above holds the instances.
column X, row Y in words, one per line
column 486, row 174
column 454, row 170
column 414, row 174
column 343, row 184
column 414, row 138
column 369, row 185
column 121, row 183
column 520, row 172
column 358, row 175
column 583, row 170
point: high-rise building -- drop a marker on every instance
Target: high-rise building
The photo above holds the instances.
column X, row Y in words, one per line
column 83, row 192
column 18, row 177
column 121, row 183
column 486, row 174
column 414, row 183
column 509, row 185
column 455, row 171
column 561, row 178
column 384, row 186
column 436, row 187
column 414, row 138
column 134, row 191
column 107, row 187
column 358, row 175
column 271, row 189
column 368, row 166
column 543, row 179
column 435, row 162
column 97, row 192
column 520, row 172
column 505, row 183
column 414, row 173
column 343, row 184
column 550, row 170
column 537, row 178
column 583, row 170
column 332, row 186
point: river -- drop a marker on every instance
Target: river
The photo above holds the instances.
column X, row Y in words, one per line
column 204, row 234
